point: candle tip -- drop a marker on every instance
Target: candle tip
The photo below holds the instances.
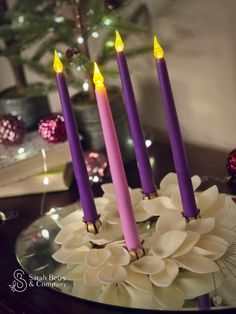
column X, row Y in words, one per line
column 97, row 77
column 119, row 45
column 57, row 64
column 157, row 50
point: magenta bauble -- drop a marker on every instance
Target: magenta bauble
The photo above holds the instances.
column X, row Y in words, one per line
column 12, row 129
column 52, row 128
column 231, row 164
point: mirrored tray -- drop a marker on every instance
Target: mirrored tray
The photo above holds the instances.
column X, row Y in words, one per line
column 35, row 246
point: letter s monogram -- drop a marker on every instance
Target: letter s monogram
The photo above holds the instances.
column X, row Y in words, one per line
column 19, row 284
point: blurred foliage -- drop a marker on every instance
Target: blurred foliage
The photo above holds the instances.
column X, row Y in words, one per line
column 45, row 25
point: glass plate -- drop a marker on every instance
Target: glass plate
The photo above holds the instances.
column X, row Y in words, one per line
column 35, row 246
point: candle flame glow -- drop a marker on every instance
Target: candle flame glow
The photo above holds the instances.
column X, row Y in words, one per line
column 57, row 64
column 158, row 51
column 97, row 77
column 119, row 45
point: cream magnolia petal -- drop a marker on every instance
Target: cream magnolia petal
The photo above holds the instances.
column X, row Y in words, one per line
column 108, row 189
column 108, row 233
column 214, row 238
column 217, row 213
column 72, row 257
column 201, row 226
column 84, row 291
column 112, row 274
column 169, row 179
column 148, row 240
column 219, row 210
column 176, row 200
column 61, row 256
column 75, row 242
column 158, row 205
column 213, row 247
column 189, row 242
column 196, row 263
column 167, row 276
column 95, row 258
column 169, row 190
column 200, row 251
column 111, row 206
column 76, row 215
column 169, row 297
column 75, row 273
column 68, row 230
column 136, row 196
column 119, row 255
column 77, row 258
column 139, row 299
column 220, row 202
column 115, row 295
column 227, row 292
column 196, row 182
column 138, row 281
column 148, row 265
column 70, row 266
column 90, row 277
column 170, row 220
column 113, row 217
column 229, row 218
column 141, row 215
column 207, row 198
column 223, row 233
column 193, row 285
column 166, row 244
column 100, row 203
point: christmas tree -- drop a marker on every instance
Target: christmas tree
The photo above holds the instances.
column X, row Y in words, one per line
column 68, row 26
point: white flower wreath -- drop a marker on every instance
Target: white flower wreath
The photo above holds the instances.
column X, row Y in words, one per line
column 182, row 261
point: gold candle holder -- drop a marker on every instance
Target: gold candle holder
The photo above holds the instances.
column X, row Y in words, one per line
column 93, row 227
column 192, row 218
column 136, row 254
column 150, row 196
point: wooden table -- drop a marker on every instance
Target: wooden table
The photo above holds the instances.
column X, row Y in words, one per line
column 44, row 300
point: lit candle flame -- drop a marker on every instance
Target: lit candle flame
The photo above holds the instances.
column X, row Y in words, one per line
column 158, row 51
column 57, row 64
column 97, row 77
column 119, row 45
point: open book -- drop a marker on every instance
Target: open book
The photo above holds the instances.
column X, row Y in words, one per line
column 30, row 157
column 56, row 179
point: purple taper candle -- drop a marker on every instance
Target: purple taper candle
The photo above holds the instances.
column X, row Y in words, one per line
column 144, row 166
column 204, row 302
column 177, row 146
column 81, row 175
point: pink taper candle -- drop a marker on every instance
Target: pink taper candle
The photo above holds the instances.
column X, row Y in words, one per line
column 116, row 165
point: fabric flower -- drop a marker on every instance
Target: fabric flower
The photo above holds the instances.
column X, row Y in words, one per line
column 182, row 261
column 210, row 202
column 141, row 212
column 74, row 237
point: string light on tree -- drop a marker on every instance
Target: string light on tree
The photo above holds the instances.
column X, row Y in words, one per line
column 85, row 86
column 21, row 19
column 59, row 19
column 110, row 43
column 80, row 40
column 95, row 34
column 107, row 21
